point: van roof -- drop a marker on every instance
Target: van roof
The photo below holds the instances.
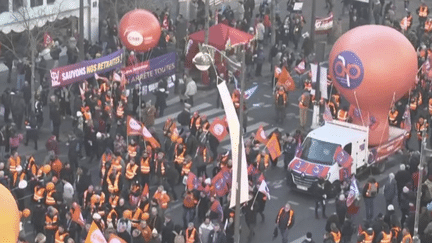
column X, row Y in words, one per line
column 337, row 134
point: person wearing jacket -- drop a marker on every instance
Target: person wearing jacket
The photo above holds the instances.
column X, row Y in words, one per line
column 370, row 190
column 217, row 235
column 161, row 95
column 285, row 221
column 55, row 118
column 390, row 189
column 320, row 197
column 191, row 89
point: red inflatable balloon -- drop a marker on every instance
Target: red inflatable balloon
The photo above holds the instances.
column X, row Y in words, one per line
column 373, row 66
column 139, row 30
column 9, row 216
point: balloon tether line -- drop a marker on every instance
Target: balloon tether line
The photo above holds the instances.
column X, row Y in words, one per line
column 391, row 105
column 358, row 107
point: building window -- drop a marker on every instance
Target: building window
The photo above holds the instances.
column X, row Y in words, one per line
column 50, row 1
column 17, row 4
column 35, row 3
column 4, row 6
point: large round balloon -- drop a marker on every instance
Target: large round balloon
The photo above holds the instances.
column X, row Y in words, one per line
column 373, row 66
column 9, row 216
column 139, row 30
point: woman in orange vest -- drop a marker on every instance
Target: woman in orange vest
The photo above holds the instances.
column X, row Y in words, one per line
column 131, row 173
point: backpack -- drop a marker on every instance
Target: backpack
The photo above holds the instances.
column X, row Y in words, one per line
column 179, row 238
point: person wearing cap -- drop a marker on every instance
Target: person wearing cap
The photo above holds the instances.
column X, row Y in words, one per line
column 285, row 221
column 390, row 213
column 97, row 219
column 308, row 238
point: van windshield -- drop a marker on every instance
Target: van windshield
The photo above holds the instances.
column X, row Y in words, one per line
column 318, row 151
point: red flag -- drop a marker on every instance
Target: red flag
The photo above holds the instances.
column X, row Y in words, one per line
column 220, row 185
column 261, row 136
column 149, row 137
column 134, row 127
column 115, row 239
column 277, row 72
column 94, row 235
column 218, row 129
column 286, row 80
column 273, row 147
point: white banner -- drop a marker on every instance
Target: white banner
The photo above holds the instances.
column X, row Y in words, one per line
column 324, row 25
column 234, row 129
column 323, row 82
column 314, row 70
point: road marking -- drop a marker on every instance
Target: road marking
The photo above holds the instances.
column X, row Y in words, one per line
column 299, row 240
column 294, row 203
column 211, row 112
column 273, row 197
column 267, row 96
column 312, row 208
column 267, row 105
column 161, row 120
column 173, row 101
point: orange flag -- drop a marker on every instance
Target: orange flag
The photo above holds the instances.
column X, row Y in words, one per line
column 77, row 215
column 261, row 136
column 115, row 239
column 218, row 129
column 94, row 235
column 273, row 147
column 286, row 80
column 134, row 127
column 149, row 137
column 145, row 191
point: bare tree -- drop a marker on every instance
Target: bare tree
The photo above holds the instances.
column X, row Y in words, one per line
column 34, row 36
column 118, row 8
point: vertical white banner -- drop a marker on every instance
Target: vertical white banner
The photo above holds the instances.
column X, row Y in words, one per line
column 323, row 82
column 314, row 70
column 234, row 129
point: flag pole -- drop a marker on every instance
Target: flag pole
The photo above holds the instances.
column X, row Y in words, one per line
column 256, row 195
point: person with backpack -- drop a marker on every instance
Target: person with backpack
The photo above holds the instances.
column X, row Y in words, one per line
column 370, row 190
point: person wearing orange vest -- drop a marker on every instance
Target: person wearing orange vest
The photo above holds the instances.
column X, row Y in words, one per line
column 423, row 12
column 50, row 192
column 87, row 196
column 56, row 165
column 132, row 149
column 13, row 162
column 113, row 200
column 191, row 234
column 205, row 126
column 366, row 236
column 31, row 168
column 195, row 123
column 421, row 126
column 131, row 172
column 406, row 22
column 120, row 111
column 202, row 159
column 113, row 182
column 60, row 235
column 136, row 217
column 285, row 221
column 342, row 114
column 392, row 117
column 187, row 165
column 262, row 161
column 163, row 201
column 159, row 167
column 107, row 156
column 370, row 190
column 385, row 236
column 39, row 193
column 304, row 106
column 179, row 154
column 413, row 106
column 134, row 193
column 335, row 233
column 281, row 101
column 51, row 223
column 145, row 231
column 406, row 236
column 189, row 204
column 145, row 168
column 112, row 218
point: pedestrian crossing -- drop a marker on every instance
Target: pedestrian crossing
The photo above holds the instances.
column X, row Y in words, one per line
column 212, row 112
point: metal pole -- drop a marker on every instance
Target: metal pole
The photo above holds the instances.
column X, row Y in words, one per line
column 316, row 108
column 81, row 31
column 424, row 152
column 237, row 205
column 206, row 22
column 273, row 24
column 313, row 19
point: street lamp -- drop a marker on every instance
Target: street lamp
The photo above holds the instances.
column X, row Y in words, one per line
column 203, row 61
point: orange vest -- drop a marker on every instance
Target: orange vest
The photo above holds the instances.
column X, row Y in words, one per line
column 392, row 117
column 386, row 237
column 59, row 238
column 368, row 191
column 105, row 158
column 284, row 98
column 39, row 192
column 342, row 115
column 113, row 201
column 430, row 106
column 179, row 155
column 162, row 169
column 406, row 237
column 111, row 215
column 51, row 223
column 195, row 122
column 31, row 166
column 120, row 111
column 291, row 215
column 336, row 99
column 423, row 11
column 206, row 126
column 49, row 200
column 308, row 86
column 131, row 171
column 113, row 186
column 132, row 150
column 136, row 218
column 421, row 128
column 266, row 160
column 147, row 233
column 190, row 237
column 145, row 165
column 164, row 200
column 395, row 232
column 189, row 201
column 413, row 105
column 336, row 236
column 186, row 168
column 13, row 163
column 56, row 166
column 368, row 238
